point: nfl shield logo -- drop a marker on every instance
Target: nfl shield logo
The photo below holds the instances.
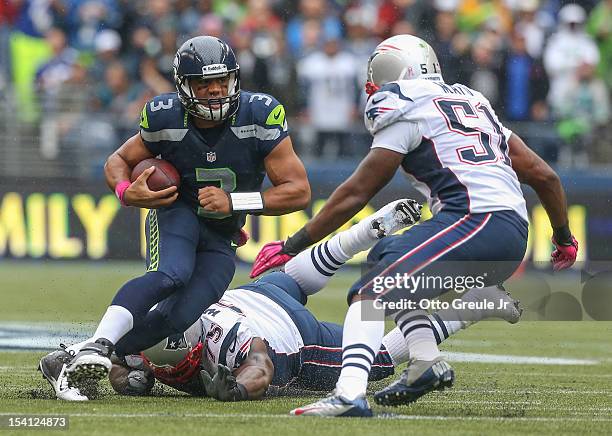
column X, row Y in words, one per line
column 211, row 156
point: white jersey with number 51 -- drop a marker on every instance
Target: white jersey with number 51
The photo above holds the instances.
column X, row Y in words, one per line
column 456, row 149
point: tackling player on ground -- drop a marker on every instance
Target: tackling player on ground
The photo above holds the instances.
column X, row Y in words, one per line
column 450, row 143
column 223, row 141
column 261, row 335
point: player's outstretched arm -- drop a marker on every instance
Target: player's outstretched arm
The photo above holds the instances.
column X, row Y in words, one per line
column 291, row 190
column 118, row 169
column 532, row 170
column 374, row 172
column 350, row 197
column 257, row 371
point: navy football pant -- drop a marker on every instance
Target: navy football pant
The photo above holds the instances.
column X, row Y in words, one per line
column 322, row 360
column 489, row 246
column 317, row 366
column 195, row 265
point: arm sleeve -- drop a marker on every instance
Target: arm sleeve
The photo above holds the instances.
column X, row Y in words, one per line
column 401, row 136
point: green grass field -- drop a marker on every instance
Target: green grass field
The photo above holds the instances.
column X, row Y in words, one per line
column 507, row 397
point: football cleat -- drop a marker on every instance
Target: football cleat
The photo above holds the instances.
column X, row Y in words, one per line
column 91, row 364
column 418, row 379
column 505, row 307
column 395, row 216
column 336, row 405
column 53, row 369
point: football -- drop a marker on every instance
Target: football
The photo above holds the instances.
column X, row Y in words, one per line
column 164, row 176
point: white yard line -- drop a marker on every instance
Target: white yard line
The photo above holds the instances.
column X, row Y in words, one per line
column 565, row 375
column 226, row 416
column 516, row 360
column 530, row 392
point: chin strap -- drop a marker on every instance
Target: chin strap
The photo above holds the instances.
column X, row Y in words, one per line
column 371, row 88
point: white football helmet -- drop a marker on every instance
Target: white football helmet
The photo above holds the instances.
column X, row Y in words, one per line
column 401, row 57
column 176, row 359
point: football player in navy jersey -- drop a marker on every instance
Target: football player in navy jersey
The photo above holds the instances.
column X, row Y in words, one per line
column 223, row 142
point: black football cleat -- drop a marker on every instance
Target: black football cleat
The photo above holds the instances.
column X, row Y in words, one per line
column 418, row 379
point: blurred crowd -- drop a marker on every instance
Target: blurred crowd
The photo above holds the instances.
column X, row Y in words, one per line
column 545, row 65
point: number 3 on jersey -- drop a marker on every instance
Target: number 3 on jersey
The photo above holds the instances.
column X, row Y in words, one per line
column 226, row 179
column 471, row 154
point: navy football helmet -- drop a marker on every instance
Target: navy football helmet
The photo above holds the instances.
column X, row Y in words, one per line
column 207, row 57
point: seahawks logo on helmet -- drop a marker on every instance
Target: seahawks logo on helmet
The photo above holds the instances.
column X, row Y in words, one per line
column 207, row 57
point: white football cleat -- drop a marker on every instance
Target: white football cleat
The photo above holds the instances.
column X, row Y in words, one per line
column 394, row 217
column 53, row 369
column 336, row 405
column 91, row 364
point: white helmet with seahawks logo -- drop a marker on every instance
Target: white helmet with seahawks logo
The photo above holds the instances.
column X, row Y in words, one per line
column 401, row 57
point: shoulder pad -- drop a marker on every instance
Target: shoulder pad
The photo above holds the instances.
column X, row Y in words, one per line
column 164, row 111
column 266, row 110
column 386, row 106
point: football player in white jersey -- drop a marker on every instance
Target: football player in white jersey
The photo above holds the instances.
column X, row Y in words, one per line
column 261, row 335
column 454, row 150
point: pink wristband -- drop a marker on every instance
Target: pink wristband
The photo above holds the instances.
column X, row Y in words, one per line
column 120, row 190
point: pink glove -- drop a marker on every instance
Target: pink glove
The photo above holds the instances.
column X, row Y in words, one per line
column 270, row 256
column 241, row 238
column 565, row 255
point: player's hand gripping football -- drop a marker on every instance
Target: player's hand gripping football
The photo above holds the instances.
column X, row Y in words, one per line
column 223, row 386
column 564, row 255
column 216, row 200
column 138, row 193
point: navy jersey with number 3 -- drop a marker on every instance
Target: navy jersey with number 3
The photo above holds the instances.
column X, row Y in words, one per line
column 230, row 156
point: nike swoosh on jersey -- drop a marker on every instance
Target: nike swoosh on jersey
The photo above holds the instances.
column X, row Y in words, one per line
column 379, row 100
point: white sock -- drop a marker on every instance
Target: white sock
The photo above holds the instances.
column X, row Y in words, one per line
column 313, row 268
column 361, row 341
column 356, row 239
column 417, row 330
column 115, row 323
column 397, row 347
column 445, row 323
column 77, row 347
